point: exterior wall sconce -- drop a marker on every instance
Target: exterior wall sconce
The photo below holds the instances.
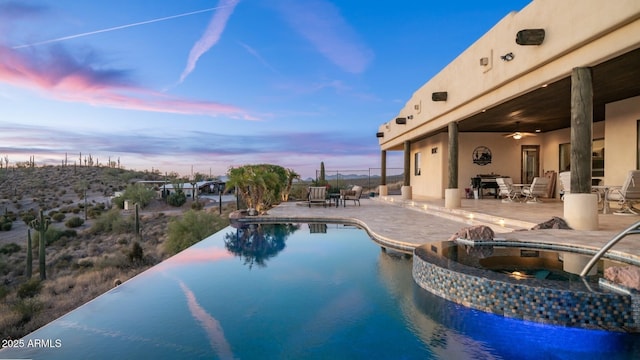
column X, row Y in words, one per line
column 416, row 107
column 507, row 57
column 530, row 37
column 401, row 121
column 410, row 117
column 484, row 61
column 439, row 96
column 379, row 134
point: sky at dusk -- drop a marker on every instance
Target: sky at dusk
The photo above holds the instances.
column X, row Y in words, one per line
column 201, row 86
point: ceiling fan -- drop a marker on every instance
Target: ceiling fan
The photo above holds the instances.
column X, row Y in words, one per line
column 517, row 135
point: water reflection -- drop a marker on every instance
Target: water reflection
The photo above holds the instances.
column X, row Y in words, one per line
column 212, row 327
column 257, row 243
column 446, row 343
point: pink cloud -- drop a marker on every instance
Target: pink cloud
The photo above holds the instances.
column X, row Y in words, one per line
column 59, row 75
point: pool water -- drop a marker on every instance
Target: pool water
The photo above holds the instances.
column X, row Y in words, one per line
column 298, row 291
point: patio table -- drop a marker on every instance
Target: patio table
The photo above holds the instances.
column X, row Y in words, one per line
column 334, row 197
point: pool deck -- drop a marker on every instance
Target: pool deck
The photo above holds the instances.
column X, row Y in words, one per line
column 410, row 223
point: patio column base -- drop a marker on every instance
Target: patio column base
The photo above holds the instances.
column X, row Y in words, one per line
column 581, row 211
column 406, row 192
column 452, row 199
column 574, row 263
column 383, row 190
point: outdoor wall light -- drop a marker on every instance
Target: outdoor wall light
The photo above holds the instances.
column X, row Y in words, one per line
column 410, row 117
column 530, row 37
column 484, row 61
column 379, row 134
column 507, row 56
column 401, row 121
column 439, row 96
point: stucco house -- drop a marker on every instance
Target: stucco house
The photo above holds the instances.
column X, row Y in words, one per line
column 549, row 88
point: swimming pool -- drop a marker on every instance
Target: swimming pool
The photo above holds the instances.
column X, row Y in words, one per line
column 298, row 291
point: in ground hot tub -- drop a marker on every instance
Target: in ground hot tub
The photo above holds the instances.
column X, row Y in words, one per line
column 518, row 280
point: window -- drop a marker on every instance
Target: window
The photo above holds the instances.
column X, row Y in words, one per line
column 597, row 158
column 416, row 164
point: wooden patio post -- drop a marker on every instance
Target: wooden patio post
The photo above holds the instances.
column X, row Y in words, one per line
column 452, row 193
column 581, row 206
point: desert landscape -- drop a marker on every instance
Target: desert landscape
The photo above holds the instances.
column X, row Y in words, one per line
column 91, row 243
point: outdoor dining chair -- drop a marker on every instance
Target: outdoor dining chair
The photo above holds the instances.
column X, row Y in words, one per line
column 537, row 188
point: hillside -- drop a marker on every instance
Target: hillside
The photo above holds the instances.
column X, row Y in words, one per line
column 81, row 262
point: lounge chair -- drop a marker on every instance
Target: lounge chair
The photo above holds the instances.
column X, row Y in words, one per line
column 627, row 195
column 506, row 190
column 537, row 188
column 317, row 195
column 353, row 194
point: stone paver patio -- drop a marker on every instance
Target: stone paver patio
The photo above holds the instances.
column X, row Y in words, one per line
column 407, row 224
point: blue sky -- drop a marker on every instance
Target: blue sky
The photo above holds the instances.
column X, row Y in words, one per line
column 200, row 86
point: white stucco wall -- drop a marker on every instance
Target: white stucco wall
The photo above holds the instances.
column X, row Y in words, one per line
column 621, row 140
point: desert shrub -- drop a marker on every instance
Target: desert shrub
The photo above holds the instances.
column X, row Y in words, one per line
column 177, row 199
column 11, row 216
column 74, row 222
column 29, row 289
column 119, row 202
column 52, row 235
column 136, row 255
column 112, row 222
column 3, row 291
column 10, row 248
column 58, row 217
column 191, row 228
column 197, row 205
column 6, row 226
column 28, row 217
column 27, row 308
column 139, row 194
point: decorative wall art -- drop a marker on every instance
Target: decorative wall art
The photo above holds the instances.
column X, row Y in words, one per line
column 482, row 155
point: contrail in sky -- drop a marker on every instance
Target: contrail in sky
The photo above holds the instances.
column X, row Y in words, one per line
column 117, row 28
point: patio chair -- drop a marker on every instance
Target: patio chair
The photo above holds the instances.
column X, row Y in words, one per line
column 537, row 188
column 565, row 182
column 353, row 194
column 627, row 195
column 317, row 195
column 506, row 190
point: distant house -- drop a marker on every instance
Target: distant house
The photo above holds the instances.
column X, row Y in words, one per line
column 192, row 190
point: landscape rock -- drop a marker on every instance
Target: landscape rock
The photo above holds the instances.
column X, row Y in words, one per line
column 628, row 276
column 554, row 223
column 477, row 232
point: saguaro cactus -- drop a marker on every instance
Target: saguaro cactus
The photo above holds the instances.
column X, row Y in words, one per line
column 41, row 225
column 29, row 255
column 137, row 223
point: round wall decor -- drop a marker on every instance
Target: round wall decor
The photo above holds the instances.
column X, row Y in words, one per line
column 482, row 155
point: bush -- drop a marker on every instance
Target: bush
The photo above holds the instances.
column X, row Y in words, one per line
column 58, row 217
column 6, row 226
column 29, row 289
column 113, row 222
column 136, row 255
column 74, row 222
column 197, row 205
column 177, row 199
column 9, row 249
column 191, row 228
column 28, row 217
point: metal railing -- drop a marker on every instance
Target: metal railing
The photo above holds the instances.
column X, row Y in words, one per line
column 631, row 230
